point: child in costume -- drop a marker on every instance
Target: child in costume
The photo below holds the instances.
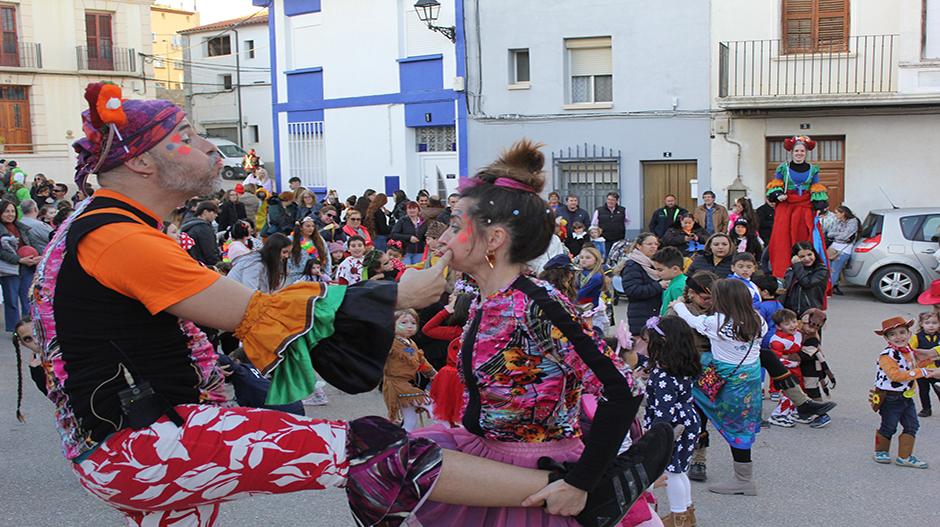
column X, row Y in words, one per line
column 786, row 342
column 393, row 248
column 349, row 271
column 893, row 394
column 591, row 281
column 596, row 235
column 817, row 378
column 926, row 342
column 403, row 398
column 447, row 390
column 798, row 194
column 668, row 262
column 673, row 366
column 744, row 238
column 743, row 267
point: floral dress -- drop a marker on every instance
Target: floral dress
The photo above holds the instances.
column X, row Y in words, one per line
column 669, row 399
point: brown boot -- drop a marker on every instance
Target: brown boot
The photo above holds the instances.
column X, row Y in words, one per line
column 677, row 519
column 906, row 453
column 742, row 484
column 882, row 449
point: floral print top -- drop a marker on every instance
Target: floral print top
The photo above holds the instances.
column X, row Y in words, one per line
column 529, row 375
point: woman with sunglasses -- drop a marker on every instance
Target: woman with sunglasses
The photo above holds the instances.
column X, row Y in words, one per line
column 354, row 227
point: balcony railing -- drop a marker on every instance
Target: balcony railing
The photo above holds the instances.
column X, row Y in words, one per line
column 762, row 68
column 106, row 58
column 21, row 55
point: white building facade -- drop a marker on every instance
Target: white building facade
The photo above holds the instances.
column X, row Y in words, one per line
column 366, row 96
column 51, row 50
column 228, row 82
column 861, row 77
column 620, row 103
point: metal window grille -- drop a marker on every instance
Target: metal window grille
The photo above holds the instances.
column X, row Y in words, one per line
column 587, row 171
column 307, row 153
column 436, row 139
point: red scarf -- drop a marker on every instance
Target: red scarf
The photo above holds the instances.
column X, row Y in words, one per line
column 353, row 232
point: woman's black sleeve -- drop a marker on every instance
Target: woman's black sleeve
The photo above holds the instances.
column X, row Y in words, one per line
column 616, row 407
column 38, row 373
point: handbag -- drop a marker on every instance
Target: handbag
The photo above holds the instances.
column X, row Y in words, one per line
column 710, row 382
column 6, row 268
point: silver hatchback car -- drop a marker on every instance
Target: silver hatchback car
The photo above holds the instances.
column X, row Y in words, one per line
column 896, row 253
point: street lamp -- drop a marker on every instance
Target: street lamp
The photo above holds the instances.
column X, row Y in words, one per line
column 428, row 11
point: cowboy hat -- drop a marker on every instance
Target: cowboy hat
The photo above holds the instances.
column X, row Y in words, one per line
column 893, row 323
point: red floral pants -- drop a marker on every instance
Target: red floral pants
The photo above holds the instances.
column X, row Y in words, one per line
column 165, row 475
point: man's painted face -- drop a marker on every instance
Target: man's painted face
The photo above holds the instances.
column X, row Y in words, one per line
column 187, row 163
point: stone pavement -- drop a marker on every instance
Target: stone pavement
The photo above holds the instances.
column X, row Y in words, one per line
column 805, row 476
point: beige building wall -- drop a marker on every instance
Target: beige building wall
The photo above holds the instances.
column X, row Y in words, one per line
column 56, row 88
column 165, row 22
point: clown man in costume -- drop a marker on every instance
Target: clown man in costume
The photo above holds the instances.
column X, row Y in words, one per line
column 798, row 194
column 137, row 387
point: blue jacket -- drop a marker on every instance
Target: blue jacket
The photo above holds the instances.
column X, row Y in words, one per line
column 645, row 294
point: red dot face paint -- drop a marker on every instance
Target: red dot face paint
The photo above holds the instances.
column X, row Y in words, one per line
column 465, row 233
column 176, row 145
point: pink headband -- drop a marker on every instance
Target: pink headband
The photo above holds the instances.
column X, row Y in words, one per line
column 503, row 182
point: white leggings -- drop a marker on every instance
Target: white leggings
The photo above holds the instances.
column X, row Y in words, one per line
column 679, row 491
column 410, row 420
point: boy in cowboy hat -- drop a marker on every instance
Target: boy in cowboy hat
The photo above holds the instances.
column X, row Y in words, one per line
column 897, row 371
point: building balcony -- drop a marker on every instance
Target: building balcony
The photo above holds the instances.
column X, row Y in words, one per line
column 20, row 55
column 106, row 58
column 761, row 74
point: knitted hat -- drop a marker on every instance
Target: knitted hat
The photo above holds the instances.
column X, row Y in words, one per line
column 117, row 130
column 335, row 247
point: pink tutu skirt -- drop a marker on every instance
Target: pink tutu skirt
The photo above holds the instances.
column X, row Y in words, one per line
column 431, row 513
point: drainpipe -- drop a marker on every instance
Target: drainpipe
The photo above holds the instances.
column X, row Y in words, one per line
column 238, row 88
column 738, row 182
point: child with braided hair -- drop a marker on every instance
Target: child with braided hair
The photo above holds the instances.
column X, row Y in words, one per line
column 23, row 334
column 403, row 398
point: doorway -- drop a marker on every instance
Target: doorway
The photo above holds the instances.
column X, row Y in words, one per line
column 439, row 173
column 15, row 130
column 663, row 178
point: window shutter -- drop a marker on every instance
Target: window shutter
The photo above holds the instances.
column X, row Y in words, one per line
column 591, row 61
column 832, row 25
column 797, row 25
column 815, row 25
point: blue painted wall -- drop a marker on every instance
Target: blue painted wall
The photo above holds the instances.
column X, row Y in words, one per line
column 300, row 7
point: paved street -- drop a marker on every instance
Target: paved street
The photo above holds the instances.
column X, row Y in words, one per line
column 806, row 476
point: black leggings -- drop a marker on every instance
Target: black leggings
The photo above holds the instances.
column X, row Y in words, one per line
column 741, row 455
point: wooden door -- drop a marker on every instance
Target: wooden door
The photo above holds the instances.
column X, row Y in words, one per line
column 829, row 156
column 661, row 179
column 9, row 42
column 99, row 41
column 14, row 119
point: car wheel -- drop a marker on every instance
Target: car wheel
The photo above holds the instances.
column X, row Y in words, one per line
column 228, row 173
column 895, row 284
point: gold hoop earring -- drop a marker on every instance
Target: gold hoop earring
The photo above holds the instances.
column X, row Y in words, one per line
column 490, row 259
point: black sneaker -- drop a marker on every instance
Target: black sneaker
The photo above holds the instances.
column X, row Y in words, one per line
column 812, row 408
column 836, row 290
column 926, row 412
column 625, row 480
column 697, row 472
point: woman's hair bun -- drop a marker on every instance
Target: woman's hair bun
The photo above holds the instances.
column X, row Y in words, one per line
column 522, row 162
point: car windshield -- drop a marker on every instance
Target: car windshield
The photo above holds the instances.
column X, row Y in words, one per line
column 872, row 226
column 231, row 151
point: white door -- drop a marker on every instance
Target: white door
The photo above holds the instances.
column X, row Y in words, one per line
column 439, row 172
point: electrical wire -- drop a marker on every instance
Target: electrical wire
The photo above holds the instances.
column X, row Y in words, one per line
column 230, row 28
column 206, row 65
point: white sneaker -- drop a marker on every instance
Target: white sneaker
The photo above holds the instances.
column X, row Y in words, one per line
column 781, row 420
column 317, row 399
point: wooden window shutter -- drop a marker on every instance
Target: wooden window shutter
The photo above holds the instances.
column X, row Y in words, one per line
column 832, row 25
column 815, row 25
